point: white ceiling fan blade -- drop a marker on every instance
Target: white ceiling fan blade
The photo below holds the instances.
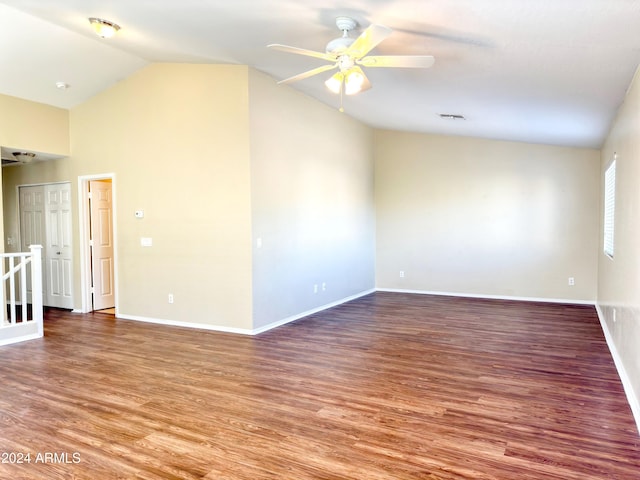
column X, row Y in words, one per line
column 302, row 51
column 401, row 61
column 367, row 41
column 307, row 74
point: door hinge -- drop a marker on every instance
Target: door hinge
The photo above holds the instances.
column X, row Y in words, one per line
column 91, row 243
column 89, row 195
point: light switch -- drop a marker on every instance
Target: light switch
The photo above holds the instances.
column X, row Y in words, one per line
column 146, row 241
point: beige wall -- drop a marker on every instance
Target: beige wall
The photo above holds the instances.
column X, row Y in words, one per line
column 33, row 126
column 26, row 125
column 185, row 147
column 177, row 139
column 35, row 173
column 619, row 277
column 481, row 217
column 313, row 203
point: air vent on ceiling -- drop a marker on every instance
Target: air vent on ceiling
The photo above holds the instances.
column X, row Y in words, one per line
column 452, row 116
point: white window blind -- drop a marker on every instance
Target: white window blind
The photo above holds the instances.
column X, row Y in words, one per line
column 609, row 207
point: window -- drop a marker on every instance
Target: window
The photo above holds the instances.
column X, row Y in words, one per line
column 609, row 206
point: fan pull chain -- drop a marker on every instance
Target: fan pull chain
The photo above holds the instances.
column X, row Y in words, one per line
column 341, row 109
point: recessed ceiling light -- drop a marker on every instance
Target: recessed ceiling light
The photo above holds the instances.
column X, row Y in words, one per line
column 452, row 116
column 62, row 85
column 104, row 28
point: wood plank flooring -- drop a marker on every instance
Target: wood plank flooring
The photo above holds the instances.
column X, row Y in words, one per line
column 390, row 386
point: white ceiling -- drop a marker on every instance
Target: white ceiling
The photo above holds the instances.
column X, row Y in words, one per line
column 542, row 71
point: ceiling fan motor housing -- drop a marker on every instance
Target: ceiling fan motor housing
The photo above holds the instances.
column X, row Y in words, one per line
column 345, row 62
column 340, row 44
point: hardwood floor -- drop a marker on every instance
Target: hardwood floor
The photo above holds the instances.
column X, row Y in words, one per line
column 390, row 386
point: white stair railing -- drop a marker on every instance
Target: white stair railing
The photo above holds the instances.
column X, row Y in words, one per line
column 18, row 322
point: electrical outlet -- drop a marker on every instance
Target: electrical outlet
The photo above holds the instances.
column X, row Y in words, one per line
column 324, row 286
column 171, row 298
column 401, row 273
column 572, row 281
column 315, row 288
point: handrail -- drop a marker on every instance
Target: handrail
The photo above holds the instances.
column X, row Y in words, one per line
column 21, row 324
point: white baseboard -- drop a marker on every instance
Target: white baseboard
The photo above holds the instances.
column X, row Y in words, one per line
column 293, row 318
column 492, row 297
column 174, row 323
column 634, row 402
column 23, row 338
column 298, row 316
column 242, row 331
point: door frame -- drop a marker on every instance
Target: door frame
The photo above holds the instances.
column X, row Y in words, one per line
column 85, row 250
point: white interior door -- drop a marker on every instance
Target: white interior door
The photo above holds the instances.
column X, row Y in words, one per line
column 101, row 242
column 57, row 247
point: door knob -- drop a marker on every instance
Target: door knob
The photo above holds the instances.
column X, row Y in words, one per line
column 58, row 253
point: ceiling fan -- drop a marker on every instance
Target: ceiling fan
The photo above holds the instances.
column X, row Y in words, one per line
column 349, row 54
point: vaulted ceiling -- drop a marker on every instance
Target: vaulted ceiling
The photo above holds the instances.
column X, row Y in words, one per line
column 542, row 71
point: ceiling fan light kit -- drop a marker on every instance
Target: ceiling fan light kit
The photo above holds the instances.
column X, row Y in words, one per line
column 347, row 55
column 353, row 82
column 334, row 83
